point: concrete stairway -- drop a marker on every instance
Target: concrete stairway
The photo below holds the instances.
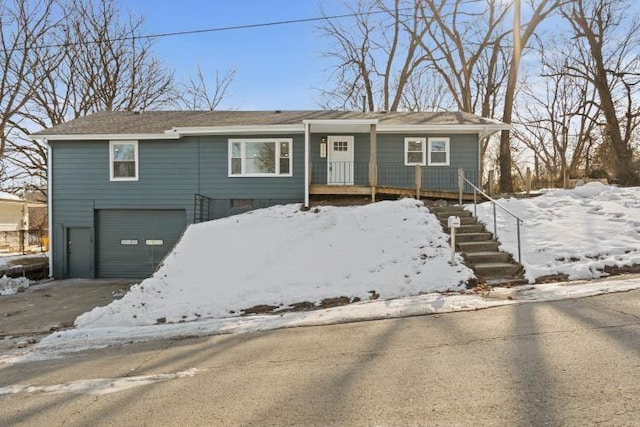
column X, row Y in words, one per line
column 479, row 248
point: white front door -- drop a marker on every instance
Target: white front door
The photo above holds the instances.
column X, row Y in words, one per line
column 340, row 160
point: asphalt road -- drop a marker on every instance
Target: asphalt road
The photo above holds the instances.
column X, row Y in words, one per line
column 566, row 363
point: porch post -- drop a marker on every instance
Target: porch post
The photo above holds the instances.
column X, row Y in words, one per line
column 418, row 179
column 306, row 165
column 373, row 161
column 460, row 184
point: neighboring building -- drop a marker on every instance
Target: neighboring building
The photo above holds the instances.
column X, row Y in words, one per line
column 124, row 185
column 14, row 223
column 14, row 214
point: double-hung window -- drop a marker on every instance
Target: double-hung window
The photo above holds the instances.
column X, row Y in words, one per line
column 438, row 152
column 123, row 160
column 260, row 157
column 414, row 151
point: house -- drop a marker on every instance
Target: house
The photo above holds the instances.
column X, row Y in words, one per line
column 14, row 222
column 124, row 185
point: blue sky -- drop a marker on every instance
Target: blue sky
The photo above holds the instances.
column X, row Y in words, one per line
column 277, row 67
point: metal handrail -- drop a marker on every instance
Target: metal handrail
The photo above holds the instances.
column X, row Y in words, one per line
column 201, row 205
column 495, row 203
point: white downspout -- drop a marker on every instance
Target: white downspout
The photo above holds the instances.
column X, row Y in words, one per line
column 50, row 204
column 306, row 165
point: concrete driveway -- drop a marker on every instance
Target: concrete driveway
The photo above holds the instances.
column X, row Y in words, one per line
column 53, row 305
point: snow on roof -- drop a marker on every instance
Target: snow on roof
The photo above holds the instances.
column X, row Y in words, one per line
column 8, row 196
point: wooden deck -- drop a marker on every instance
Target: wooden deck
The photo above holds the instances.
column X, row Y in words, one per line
column 363, row 190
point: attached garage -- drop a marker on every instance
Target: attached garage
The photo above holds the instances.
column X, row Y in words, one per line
column 132, row 242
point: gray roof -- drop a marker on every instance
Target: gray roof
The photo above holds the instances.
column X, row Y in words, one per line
column 154, row 122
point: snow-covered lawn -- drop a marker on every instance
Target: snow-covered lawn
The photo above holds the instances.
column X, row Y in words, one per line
column 281, row 255
column 574, row 232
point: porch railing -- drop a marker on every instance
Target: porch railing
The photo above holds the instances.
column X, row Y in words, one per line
column 398, row 175
column 340, row 173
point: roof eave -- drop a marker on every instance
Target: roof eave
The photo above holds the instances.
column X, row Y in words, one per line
column 236, row 130
column 103, row 136
column 483, row 130
column 448, row 128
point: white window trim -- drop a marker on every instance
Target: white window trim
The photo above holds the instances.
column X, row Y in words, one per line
column 243, row 157
column 111, row 159
column 406, row 151
column 447, row 150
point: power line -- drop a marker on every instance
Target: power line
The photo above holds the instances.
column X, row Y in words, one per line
column 220, row 29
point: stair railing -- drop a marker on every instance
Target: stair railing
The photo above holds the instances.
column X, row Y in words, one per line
column 461, row 183
column 201, row 205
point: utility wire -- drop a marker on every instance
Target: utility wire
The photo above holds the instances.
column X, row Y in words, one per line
column 220, row 29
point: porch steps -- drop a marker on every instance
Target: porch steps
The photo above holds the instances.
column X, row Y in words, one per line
column 480, row 250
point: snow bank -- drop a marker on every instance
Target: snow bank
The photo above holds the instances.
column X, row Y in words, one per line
column 9, row 286
column 280, row 255
column 575, row 232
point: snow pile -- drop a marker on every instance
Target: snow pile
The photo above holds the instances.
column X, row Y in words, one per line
column 9, row 285
column 575, row 232
column 280, row 256
column 62, row 343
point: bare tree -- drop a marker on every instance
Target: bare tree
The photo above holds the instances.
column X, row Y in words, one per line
column 425, row 91
column 90, row 61
column 23, row 59
column 611, row 38
column 540, row 10
column 558, row 116
column 464, row 42
column 376, row 58
column 205, row 93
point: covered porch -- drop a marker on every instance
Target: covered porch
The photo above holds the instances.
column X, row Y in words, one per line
column 364, row 158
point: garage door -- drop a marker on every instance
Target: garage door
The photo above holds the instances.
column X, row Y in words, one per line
column 131, row 243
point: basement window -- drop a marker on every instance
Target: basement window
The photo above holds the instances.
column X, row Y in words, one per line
column 242, row 204
column 123, row 160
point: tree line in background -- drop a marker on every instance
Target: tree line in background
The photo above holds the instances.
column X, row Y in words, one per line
column 64, row 59
column 574, row 103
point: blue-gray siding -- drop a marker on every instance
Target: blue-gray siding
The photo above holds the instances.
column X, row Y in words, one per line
column 171, row 172
column 390, row 158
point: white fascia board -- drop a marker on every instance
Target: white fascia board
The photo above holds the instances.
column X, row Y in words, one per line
column 50, row 220
column 236, row 130
column 345, row 126
column 457, row 128
column 487, row 132
column 104, row 136
column 341, row 122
